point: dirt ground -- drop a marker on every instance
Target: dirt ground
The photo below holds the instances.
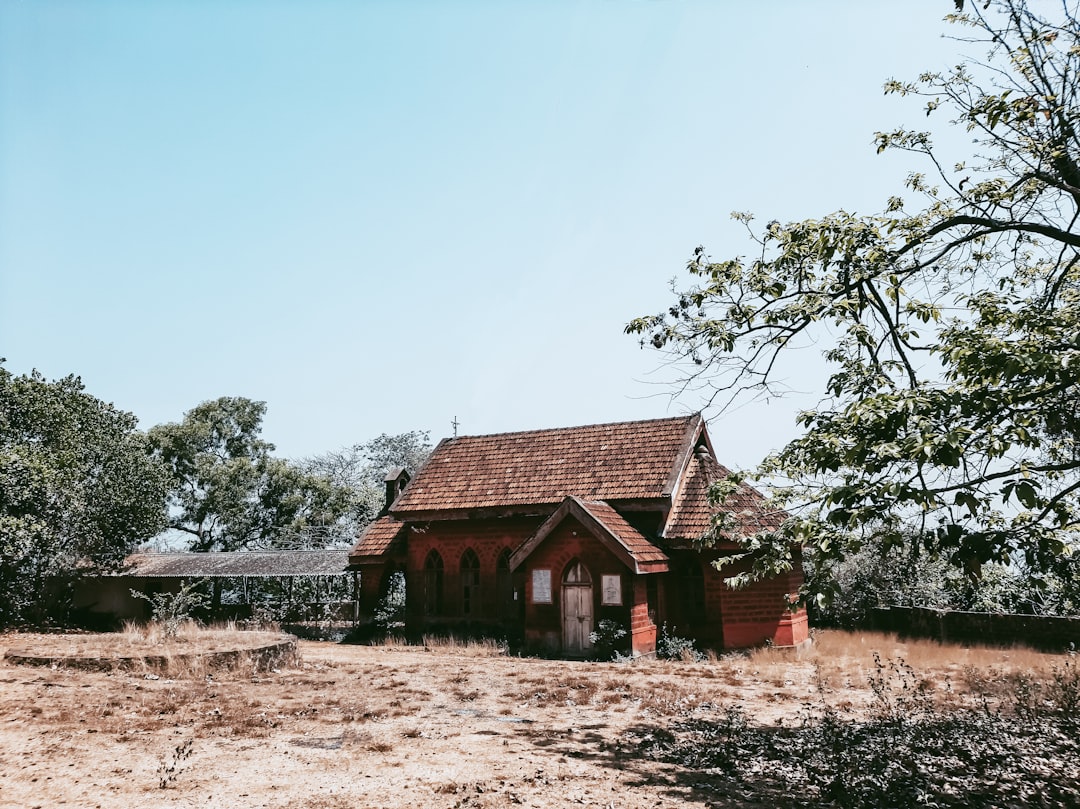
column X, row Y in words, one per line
column 356, row 726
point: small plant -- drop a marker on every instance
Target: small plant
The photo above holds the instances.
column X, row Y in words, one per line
column 171, row 767
column 172, row 610
column 389, row 616
column 672, row 647
column 1064, row 692
column 607, row 639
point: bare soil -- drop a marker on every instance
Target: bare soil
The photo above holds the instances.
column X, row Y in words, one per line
column 396, row 726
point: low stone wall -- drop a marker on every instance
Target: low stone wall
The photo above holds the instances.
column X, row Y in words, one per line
column 263, row 656
column 996, row 629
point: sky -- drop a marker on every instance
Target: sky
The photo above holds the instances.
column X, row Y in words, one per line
column 383, row 216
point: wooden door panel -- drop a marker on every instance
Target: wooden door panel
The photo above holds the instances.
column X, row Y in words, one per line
column 577, row 618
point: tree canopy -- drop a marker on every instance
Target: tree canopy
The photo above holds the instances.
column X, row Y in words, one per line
column 950, row 415
column 79, row 488
column 229, row 493
column 362, row 468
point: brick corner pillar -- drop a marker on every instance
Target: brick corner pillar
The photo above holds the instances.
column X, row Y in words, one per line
column 371, row 576
column 793, row 628
column 642, row 629
column 762, row 613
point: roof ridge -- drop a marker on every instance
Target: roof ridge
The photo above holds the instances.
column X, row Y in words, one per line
column 575, row 427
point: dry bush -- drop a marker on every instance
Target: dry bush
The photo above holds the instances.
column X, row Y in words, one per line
column 904, row 747
column 448, row 644
column 486, row 647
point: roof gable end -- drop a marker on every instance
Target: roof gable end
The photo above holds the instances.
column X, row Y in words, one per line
column 607, row 525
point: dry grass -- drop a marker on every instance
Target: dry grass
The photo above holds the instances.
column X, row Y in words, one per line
column 428, row 726
column 193, row 653
column 449, row 644
column 844, row 660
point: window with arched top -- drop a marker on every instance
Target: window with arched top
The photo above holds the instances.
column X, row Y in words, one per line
column 504, row 583
column 577, row 573
column 433, row 584
column 470, row 583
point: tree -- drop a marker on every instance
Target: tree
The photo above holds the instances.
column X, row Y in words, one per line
column 229, row 493
column 362, row 468
column 950, row 417
column 79, row 488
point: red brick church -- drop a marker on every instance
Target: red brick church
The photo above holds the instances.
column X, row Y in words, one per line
column 545, row 533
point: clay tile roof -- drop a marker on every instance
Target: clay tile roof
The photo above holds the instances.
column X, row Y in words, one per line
column 625, row 541
column 629, row 537
column 377, row 538
column 691, row 513
column 622, row 461
column 238, row 563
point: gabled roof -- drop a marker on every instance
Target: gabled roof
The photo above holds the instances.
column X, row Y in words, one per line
column 610, row 462
column 376, row 539
column 238, row 563
column 621, row 538
column 691, row 513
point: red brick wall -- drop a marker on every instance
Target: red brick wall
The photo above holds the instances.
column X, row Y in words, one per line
column 734, row 618
column 570, row 541
column 642, row 629
column 760, row 612
column 371, row 584
column 487, row 538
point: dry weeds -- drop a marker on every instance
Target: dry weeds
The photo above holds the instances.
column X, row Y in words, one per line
column 442, row 725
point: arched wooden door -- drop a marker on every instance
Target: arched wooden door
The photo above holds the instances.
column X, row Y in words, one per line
column 577, row 609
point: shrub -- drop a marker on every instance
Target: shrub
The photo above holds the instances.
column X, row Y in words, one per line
column 906, row 750
column 672, row 647
column 173, row 610
column 389, row 616
column 607, row 639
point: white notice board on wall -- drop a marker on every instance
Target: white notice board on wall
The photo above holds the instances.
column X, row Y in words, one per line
column 541, row 586
column 612, row 590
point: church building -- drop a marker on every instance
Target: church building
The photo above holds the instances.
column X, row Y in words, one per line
column 545, row 533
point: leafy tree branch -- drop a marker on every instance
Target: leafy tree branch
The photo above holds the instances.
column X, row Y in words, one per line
column 950, row 323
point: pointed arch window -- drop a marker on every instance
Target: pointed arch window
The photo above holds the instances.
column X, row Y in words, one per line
column 470, row 583
column 577, row 573
column 433, row 584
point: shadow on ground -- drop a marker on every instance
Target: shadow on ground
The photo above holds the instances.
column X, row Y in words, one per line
column 625, row 752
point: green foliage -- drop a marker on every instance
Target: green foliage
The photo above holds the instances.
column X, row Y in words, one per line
column 950, row 418
column 881, row 575
column 172, row 610
column 229, row 493
column 875, row 577
column 78, row 489
column 608, row 639
column 672, row 647
column 361, row 469
column 389, row 615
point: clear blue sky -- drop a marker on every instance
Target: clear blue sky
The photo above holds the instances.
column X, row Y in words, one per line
column 376, row 216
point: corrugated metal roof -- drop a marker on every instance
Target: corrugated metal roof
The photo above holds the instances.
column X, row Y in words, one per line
column 239, row 563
